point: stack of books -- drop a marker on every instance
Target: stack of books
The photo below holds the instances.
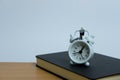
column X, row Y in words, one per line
column 101, row 67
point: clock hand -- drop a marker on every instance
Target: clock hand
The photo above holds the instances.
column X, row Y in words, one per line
column 82, row 56
column 76, row 52
column 81, row 49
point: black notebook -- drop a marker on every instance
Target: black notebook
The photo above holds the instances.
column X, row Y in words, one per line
column 101, row 66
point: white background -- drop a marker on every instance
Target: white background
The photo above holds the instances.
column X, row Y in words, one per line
column 31, row 27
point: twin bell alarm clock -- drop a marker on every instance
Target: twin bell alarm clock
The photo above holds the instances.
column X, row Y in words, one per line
column 81, row 47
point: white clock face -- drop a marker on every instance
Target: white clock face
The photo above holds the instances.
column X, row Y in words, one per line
column 79, row 51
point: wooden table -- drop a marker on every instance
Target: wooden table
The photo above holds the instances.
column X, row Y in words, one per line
column 24, row 71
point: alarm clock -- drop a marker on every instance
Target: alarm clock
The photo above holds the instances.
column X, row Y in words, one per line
column 81, row 48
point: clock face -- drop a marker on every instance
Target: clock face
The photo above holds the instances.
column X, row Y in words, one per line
column 79, row 51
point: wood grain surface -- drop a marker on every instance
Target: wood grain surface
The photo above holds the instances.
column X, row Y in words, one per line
column 24, row 71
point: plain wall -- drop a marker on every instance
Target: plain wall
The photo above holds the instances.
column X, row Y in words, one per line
column 31, row 27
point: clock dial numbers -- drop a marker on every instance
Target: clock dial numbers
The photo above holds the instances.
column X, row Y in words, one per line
column 78, row 45
column 74, row 54
column 86, row 52
column 80, row 51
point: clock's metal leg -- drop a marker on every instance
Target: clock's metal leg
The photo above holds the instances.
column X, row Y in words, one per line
column 71, row 62
column 87, row 64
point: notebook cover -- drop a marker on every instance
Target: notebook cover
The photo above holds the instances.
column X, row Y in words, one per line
column 100, row 65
